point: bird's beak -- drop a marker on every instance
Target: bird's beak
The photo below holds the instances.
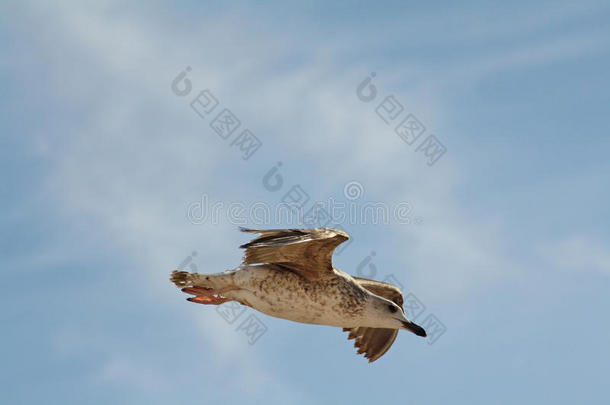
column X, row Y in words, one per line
column 418, row 330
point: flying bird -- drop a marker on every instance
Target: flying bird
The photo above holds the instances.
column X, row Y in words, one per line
column 289, row 274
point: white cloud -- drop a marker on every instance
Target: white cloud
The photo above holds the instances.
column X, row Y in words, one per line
column 125, row 372
column 578, row 253
column 133, row 170
column 140, row 157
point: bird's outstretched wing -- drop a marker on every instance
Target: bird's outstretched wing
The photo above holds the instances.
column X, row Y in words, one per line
column 375, row 342
column 307, row 252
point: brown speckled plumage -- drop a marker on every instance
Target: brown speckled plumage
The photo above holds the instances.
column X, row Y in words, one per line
column 289, row 274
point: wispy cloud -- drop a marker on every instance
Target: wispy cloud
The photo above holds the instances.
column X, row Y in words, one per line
column 581, row 253
column 126, row 156
column 139, row 196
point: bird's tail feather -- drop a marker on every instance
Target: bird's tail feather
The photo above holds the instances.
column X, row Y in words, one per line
column 182, row 278
column 217, row 280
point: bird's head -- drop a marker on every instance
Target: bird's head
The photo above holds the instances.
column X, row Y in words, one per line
column 383, row 313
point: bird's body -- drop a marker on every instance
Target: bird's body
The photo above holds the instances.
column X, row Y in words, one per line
column 288, row 274
column 337, row 301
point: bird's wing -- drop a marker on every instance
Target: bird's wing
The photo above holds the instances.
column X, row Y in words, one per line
column 375, row 342
column 385, row 290
column 307, row 252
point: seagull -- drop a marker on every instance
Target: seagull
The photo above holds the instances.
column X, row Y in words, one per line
column 289, row 274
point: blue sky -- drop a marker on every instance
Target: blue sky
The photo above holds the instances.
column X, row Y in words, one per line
column 101, row 161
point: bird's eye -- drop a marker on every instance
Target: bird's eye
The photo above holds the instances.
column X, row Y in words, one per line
column 392, row 308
